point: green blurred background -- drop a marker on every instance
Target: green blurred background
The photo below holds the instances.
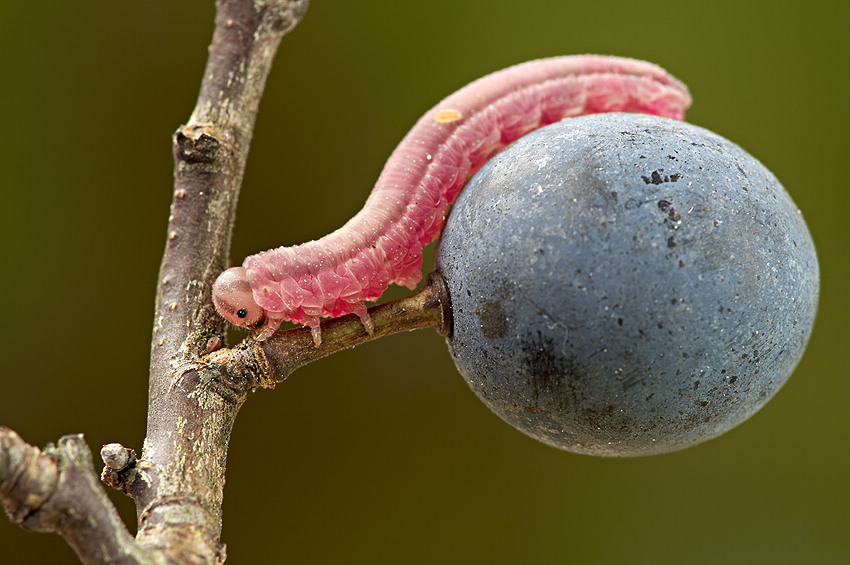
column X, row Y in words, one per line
column 382, row 454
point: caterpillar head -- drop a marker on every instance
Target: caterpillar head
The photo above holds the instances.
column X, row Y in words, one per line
column 234, row 299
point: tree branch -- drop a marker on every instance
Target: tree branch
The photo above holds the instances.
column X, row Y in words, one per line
column 56, row 490
column 191, row 407
column 194, row 398
column 265, row 363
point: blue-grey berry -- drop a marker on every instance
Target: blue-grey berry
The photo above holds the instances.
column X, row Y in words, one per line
column 626, row 285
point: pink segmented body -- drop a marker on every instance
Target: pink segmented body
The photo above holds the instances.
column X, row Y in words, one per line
column 383, row 243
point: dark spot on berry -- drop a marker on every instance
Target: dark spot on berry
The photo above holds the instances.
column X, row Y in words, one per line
column 494, row 322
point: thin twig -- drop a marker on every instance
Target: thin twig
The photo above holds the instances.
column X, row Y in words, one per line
column 271, row 361
column 57, row 490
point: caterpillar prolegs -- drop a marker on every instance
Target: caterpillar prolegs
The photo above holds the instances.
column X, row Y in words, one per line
column 383, row 243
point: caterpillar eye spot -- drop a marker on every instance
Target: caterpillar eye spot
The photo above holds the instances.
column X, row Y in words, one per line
column 242, row 313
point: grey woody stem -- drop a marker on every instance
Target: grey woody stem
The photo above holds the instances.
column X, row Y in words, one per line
column 57, row 490
column 178, row 481
column 191, row 409
column 196, row 389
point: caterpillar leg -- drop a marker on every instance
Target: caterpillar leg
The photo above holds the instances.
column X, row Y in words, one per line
column 312, row 320
column 359, row 310
column 316, row 331
column 267, row 329
column 367, row 323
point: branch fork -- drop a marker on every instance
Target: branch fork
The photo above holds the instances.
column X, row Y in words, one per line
column 196, row 386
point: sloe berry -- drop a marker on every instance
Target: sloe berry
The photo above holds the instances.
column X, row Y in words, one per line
column 624, row 284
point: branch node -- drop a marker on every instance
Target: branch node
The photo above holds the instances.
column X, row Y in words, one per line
column 116, row 456
column 120, row 470
column 246, row 359
column 213, row 344
column 197, row 143
column 28, row 475
column 290, row 14
column 443, row 300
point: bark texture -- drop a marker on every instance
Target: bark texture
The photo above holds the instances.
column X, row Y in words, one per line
column 196, row 388
column 191, row 406
column 178, row 481
column 56, row 490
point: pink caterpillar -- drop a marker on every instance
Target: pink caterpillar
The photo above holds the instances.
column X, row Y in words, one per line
column 406, row 210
